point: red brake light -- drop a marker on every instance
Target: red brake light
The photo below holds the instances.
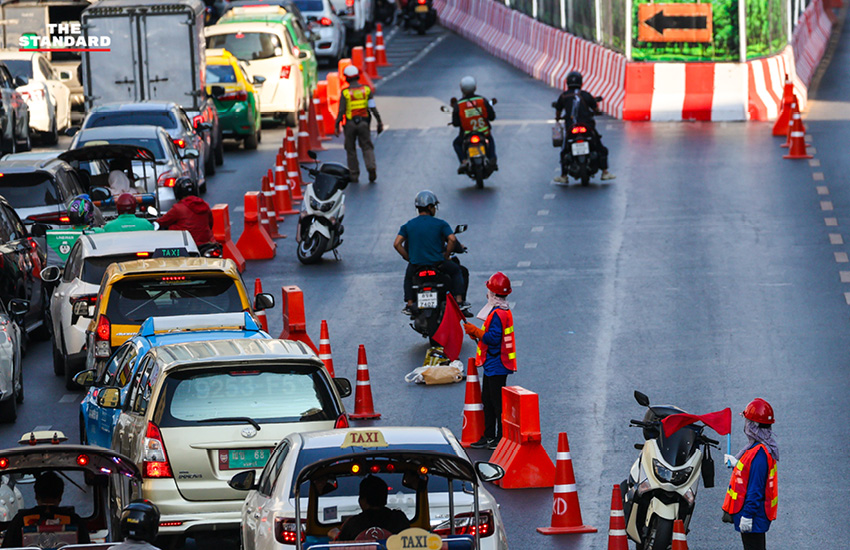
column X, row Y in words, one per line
column 349, row 3
column 179, row 143
column 325, row 22
column 423, row 1
column 427, row 273
column 82, row 460
column 170, row 523
column 173, row 278
column 285, row 70
column 166, row 181
column 154, row 459
column 240, row 95
column 104, row 329
column 4, row 463
column 579, row 130
column 341, row 421
column 464, row 525
column 475, row 139
column 284, row 530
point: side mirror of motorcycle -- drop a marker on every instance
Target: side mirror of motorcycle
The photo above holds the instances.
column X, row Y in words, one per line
column 461, row 228
column 642, row 399
column 493, row 101
column 598, row 99
column 152, row 211
column 312, row 155
column 445, row 108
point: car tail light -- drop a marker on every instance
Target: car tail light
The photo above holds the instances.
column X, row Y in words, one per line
column 241, row 95
column 102, row 334
column 284, row 530
column 475, row 139
column 154, row 460
column 80, row 305
column 166, row 180
column 179, row 143
column 285, row 70
column 170, row 523
column 50, row 217
column 342, row 421
column 579, row 130
column 325, row 22
column 427, row 288
column 465, row 525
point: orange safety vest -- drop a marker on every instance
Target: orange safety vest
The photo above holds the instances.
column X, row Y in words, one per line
column 737, row 491
column 473, row 115
column 356, row 101
column 508, row 351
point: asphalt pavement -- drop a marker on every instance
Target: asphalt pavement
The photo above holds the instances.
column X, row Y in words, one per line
column 710, row 272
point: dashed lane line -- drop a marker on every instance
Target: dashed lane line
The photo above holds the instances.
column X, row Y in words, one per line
column 836, row 238
column 523, row 264
column 845, row 276
column 542, row 212
column 823, row 190
column 69, row 398
column 516, row 283
column 826, row 205
column 549, row 196
column 847, row 298
column 831, row 222
column 817, row 176
column 814, row 162
column 415, row 59
column 537, row 229
column 841, row 257
column 530, row 245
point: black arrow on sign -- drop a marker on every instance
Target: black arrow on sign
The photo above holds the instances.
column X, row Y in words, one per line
column 661, row 22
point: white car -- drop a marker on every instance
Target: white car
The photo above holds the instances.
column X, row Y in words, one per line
column 268, row 514
column 11, row 375
column 47, row 98
column 73, row 300
column 267, row 51
column 328, row 29
column 358, row 16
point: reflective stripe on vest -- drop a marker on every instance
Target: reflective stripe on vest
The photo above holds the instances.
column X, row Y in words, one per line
column 508, row 345
column 356, row 101
column 473, row 115
column 736, row 494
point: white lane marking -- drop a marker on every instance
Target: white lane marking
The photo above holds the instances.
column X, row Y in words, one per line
column 841, row 257
column 845, row 276
column 240, row 208
column 530, row 245
column 831, row 222
column 41, row 428
column 68, row 398
column 517, row 283
column 808, row 138
column 826, row 205
column 549, row 196
column 835, row 238
column 407, row 65
column 542, row 212
column 537, row 229
column 812, row 150
column 823, row 190
column 817, row 176
column 847, row 298
column 523, row 264
column 814, row 162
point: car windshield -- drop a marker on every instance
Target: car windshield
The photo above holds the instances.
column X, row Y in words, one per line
column 134, row 299
column 309, row 5
column 29, row 190
column 166, row 119
column 220, row 74
column 19, row 67
column 678, row 447
column 95, row 266
column 247, row 46
column 152, row 144
column 262, row 392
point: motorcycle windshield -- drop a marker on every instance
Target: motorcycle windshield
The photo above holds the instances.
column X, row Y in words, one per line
column 677, row 448
column 325, row 186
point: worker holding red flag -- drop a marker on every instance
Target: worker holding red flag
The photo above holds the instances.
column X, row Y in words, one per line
column 496, row 353
column 752, row 497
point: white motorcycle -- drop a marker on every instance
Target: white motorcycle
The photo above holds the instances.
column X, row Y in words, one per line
column 662, row 483
column 322, row 210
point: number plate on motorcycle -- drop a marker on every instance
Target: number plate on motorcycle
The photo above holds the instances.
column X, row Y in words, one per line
column 581, row 148
column 421, row 9
column 475, row 152
column 427, row 300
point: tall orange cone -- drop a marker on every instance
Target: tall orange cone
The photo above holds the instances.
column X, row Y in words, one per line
column 473, row 407
column 680, row 542
column 617, row 538
column 313, row 126
column 380, row 47
column 268, row 217
column 261, row 315
column 303, row 137
column 790, row 125
column 282, row 197
column 797, row 150
column 784, row 112
column 363, row 407
column 325, row 349
column 566, row 512
column 371, row 67
column 293, row 170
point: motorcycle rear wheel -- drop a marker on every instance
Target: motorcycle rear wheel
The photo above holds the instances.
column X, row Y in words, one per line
column 659, row 535
column 310, row 249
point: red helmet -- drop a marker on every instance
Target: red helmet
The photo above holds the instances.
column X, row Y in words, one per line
column 499, row 284
column 759, row 410
column 125, row 204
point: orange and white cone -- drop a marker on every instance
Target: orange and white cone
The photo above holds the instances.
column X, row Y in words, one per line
column 566, row 511
column 325, row 349
column 261, row 315
column 617, row 538
column 680, row 542
column 473, row 407
column 790, row 125
column 371, row 67
column 268, row 217
column 363, row 407
column 797, row 150
column 282, row 197
column 315, row 122
column 293, row 170
column 380, row 47
column 303, row 137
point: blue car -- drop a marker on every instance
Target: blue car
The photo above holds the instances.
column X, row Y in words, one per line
column 97, row 422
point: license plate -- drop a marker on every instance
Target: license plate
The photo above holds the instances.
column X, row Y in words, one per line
column 427, row 300
column 421, row 9
column 581, row 148
column 240, row 459
column 475, row 152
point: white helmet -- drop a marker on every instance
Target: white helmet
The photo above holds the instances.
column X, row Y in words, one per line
column 467, row 85
column 351, row 72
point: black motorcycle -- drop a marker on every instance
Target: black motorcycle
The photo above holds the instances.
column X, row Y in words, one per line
column 579, row 153
column 476, row 145
column 419, row 15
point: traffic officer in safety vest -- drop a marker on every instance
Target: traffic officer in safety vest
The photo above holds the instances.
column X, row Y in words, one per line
column 472, row 113
column 753, row 493
column 496, row 353
column 356, row 103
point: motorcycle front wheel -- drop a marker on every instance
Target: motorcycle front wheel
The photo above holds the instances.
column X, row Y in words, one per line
column 310, row 249
column 659, row 535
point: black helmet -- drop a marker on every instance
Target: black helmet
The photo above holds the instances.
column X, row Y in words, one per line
column 574, row 79
column 184, row 187
column 81, row 211
column 140, row 520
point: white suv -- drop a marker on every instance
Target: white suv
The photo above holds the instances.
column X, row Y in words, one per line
column 328, row 29
column 267, row 51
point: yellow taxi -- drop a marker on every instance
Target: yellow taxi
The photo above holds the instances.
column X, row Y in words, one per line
column 237, row 99
column 130, row 292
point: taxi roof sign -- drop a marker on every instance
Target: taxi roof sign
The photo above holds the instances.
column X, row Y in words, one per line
column 364, row 438
column 415, row 539
column 43, row 436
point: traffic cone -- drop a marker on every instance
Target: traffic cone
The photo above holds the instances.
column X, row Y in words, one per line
column 293, row 170
column 788, row 127
column 268, row 192
column 268, row 218
column 371, row 67
column 303, row 137
column 797, row 150
column 261, row 315
column 358, row 59
column 254, row 243
column 680, row 542
column 363, row 407
column 323, row 115
column 380, row 48
column 314, row 122
column 617, row 538
column 325, row 349
column 473, row 408
column 779, row 127
column 282, row 198
column 566, row 511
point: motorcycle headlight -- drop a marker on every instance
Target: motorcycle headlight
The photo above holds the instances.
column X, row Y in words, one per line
column 314, row 204
column 676, row 477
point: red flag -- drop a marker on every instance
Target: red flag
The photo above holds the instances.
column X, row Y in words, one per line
column 720, row 421
column 450, row 333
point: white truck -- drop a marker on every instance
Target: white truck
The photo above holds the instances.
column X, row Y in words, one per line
column 156, row 52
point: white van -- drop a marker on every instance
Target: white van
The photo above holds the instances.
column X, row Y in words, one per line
column 358, row 17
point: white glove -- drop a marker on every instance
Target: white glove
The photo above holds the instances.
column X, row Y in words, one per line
column 730, row 460
column 746, row 524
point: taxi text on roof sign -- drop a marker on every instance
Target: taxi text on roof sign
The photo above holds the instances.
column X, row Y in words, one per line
column 416, row 539
column 364, row 438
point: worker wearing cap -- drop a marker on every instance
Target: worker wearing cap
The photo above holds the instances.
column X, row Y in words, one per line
column 356, row 105
column 753, row 493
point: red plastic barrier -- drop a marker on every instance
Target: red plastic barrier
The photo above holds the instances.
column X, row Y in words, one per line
column 254, row 242
column 520, row 451
column 294, row 320
column 221, row 234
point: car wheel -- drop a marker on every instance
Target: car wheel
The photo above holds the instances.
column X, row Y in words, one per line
column 290, row 119
column 259, row 135
column 59, row 360
column 8, row 410
column 209, row 165
column 219, row 150
column 251, row 140
column 71, row 370
column 84, row 440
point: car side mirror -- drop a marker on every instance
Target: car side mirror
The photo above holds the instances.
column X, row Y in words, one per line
column 100, row 193
column 190, row 154
column 243, row 481
column 312, row 155
column 18, row 308
column 39, row 229
column 262, row 301
column 85, row 378
column 109, row 398
column 461, row 228
column 20, row 80
column 488, row 471
column 216, row 91
column 51, row 274
column 343, row 386
column 72, row 131
column 258, row 80
column 303, row 54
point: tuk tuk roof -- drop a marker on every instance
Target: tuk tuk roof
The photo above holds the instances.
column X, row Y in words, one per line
column 109, row 151
column 94, row 460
